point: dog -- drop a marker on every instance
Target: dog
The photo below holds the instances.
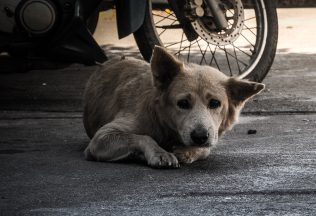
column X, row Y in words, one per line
column 165, row 112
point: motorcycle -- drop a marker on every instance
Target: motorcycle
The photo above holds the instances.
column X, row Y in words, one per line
column 239, row 37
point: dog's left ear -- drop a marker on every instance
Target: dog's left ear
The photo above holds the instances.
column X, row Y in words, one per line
column 164, row 67
column 239, row 91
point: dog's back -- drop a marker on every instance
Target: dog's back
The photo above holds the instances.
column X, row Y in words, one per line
column 108, row 91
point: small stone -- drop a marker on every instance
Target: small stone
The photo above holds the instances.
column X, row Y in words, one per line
column 252, row 131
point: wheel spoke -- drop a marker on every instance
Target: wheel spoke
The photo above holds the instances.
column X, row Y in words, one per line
column 176, row 26
column 188, row 58
column 203, row 54
column 247, row 40
column 164, row 17
column 243, row 24
column 242, row 51
column 230, row 70
column 249, row 30
column 211, row 53
column 230, row 18
column 239, row 70
column 187, row 46
column 172, row 44
column 171, row 13
column 166, row 29
column 233, row 56
column 181, row 43
column 213, row 57
column 250, row 19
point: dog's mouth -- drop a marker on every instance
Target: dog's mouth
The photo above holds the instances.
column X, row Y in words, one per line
column 207, row 144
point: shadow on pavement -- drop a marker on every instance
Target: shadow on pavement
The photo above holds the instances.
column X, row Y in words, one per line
column 290, row 86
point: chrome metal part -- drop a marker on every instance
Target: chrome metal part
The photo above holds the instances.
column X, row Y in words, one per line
column 207, row 30
column 198, row 2
column 37, row 16
column 199, row 11
column 219, row 16
column 194, row 9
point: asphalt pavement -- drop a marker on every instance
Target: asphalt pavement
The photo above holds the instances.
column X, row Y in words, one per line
column 270, row 172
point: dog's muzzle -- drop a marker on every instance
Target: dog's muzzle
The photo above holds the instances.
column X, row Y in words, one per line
column 200, row 136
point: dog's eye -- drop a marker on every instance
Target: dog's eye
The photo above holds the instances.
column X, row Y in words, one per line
column 213, row 104
column 184, row 104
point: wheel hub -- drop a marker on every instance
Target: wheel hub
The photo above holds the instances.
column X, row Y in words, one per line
column 205, row 27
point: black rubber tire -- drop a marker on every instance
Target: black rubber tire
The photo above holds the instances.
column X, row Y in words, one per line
column 266, row 61
column 146, row 39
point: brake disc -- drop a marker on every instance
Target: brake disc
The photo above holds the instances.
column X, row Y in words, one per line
column 206, row 29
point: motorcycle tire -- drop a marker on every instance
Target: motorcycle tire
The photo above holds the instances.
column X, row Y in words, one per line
column 261, row 55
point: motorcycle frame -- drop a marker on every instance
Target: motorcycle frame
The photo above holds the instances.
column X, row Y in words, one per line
column 131, row 14
column 74, row 42
column 77, row 43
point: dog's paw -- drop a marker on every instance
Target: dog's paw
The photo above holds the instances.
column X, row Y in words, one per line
column 163, row 160
column 184, row 157
column 190, row 154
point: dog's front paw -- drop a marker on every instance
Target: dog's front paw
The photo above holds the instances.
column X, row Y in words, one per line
column 190, row 154
column 184, row 156
column 163, row 160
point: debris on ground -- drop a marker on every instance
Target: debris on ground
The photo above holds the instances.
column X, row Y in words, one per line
column 252, row 131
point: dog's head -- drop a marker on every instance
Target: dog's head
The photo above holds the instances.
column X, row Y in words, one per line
column 198, row 102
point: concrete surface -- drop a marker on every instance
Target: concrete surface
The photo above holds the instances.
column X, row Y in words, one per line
column 272, row 172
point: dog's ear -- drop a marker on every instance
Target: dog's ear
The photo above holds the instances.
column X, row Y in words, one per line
column 239, row 91
column 164, row 67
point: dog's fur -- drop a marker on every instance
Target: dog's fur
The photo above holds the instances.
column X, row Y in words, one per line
column 132, row 108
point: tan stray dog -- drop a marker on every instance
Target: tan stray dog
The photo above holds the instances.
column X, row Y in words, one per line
column 165, row 112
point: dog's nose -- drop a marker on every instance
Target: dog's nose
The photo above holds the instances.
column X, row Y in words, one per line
column 199, row 135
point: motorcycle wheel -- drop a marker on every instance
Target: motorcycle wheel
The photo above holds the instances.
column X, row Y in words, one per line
column 246, row 49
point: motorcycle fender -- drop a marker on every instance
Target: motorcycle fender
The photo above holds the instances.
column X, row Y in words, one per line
column 130, row 16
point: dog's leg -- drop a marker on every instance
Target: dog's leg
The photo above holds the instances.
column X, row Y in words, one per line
column 191, row 154
column 112, row 143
